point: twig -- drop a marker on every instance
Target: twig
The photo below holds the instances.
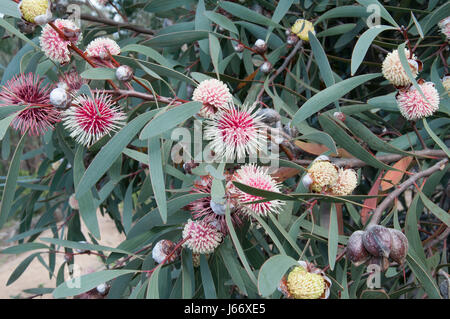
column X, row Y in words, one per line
column 410, row 181
column 354, row 162
column 438, row 239
column 281, row 68
column 113, row 23
column 422, row 142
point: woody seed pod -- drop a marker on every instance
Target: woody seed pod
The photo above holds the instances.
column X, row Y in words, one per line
column 399, row 247
column 356, row 251
column 378, row 241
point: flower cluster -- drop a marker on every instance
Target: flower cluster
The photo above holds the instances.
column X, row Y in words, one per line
column 394, row 72
column 444, row 25
column 305, row 282
column 55, row 47
column 214, row 95
column 201, row 237
column 301, row 28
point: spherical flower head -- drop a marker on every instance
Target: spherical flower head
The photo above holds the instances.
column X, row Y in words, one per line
column 446, row 84
column 89, row 119
column 322, row 173
column 412, row 104
column 209, row 211
column 162, row 249
column 101, row 48
column 301, row 28
column 28, row 90
column 201, row 237
column 235, row 132
column 346, row 182
column 305, row 285
column 393, row 70
column 214, row 95
column 444, row 25
column 35, row 11
column 55, row 47
column 73, row 202
column 257, row 177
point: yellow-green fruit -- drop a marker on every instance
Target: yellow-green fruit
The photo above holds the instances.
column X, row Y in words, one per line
column 31, row 9
column 301, row 28
column 305, row 285
column 322, row 173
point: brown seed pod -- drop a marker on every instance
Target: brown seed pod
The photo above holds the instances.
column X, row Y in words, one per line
column 377, row 240
column 356, row 252
column 399, row 247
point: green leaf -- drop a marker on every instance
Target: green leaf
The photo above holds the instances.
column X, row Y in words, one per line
column 99, row 74
column 340, row 29
column 7, row 110
column 384, row 13
column 127, row 215
column 238, row 246
column 281, row 10
column 333, row 237
column 110, row 152
column 343, row 12
column 363, row 44
column 271, row 273
column 348, row 143
column 153, row 284
column 10, row 8
column 176, row 38
column 223, row 21
column 82, row 246
column 441, row 214
column 21, row 268
column 207, row 280
column 169, row 119
column 321, row 59
column 11, row 180
column 5, row 24
column 329, row 95
column 149, row 52
column 417, row 24
column 5, row 123
column 85, row 283
column 214, row 50
column 427, row 281
column 22, row 248
column 247, row 14
column 187, row 273
column 157, row 176
column 88, row 209
column 435, row 138
column 232, row 266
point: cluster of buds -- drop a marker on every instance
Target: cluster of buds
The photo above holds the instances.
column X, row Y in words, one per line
column 305, row 282
column 324, row 176
column 300, row 29
column 394, row 72
column 377, row 245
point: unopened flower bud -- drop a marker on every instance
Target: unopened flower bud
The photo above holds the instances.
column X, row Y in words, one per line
column 218, row 208
column 102, row 289
column 399, row 247
column 162, row 249
column 59, row 98
column 239, row 47
column 269, row 116
column 67, row 257
column 339, row 116
column 356, row 252
column 266, row 67
column 378, row 241
column 291, row 39
column 307, row 181
column 124, row 73
column 73, row 202
column 260, row 46
column 81, row 250
column 189, row 166
column 25, row 27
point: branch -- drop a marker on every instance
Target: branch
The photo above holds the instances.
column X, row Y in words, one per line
column 145, row 96
column 354, row 162
column 113, row 23
column 410, row 181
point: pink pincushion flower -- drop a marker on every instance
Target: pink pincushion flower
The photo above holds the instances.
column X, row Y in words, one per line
column 201, row 237
column 214, row 95
column 257, row 177
column 39, row 116
column 235, row 132
column 101, row 48
column 55, row 47
column 90, row 119
column 208, row 211
column 413, row 106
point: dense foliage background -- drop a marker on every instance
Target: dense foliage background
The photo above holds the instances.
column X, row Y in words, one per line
column 172, row 45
